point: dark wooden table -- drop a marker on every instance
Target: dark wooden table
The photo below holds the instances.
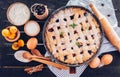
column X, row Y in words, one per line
column 9, row 66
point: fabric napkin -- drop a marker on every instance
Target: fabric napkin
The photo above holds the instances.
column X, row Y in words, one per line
column 108, row 10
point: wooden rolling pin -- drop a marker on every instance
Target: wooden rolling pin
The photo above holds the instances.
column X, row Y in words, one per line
column 108, row 29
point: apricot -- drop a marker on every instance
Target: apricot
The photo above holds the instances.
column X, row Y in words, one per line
column 12, row 36
column 21, row 43
column 5, row 32
column 15, row 46
column 13, row 29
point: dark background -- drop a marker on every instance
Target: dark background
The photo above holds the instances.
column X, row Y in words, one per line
column 8, row 64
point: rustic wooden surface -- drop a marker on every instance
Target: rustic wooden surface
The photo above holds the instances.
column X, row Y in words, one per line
column 10, row 67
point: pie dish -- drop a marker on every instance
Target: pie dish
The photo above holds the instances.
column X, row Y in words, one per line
column 72, row 35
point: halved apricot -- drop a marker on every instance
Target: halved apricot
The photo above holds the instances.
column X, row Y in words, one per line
column 12, row 36
column 5, row 32
column 21, row 43
column 13, row 29
column 15, row 46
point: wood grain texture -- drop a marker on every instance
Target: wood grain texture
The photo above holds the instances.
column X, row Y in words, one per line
column 6, row 53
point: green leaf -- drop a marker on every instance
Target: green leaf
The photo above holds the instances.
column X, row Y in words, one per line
column 61, row 33
column 73, row 25
column 77, row 43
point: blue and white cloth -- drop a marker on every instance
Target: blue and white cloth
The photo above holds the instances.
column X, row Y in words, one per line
column 108, row 9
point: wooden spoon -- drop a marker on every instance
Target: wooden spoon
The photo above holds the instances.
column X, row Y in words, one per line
column 28, row 55
column 37, row 53
column 108, row 29
column 31, row 57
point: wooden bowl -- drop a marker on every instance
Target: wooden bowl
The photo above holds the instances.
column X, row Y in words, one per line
column 32, row 30
column 44, row 15
column 18, row 13
column 15, row 39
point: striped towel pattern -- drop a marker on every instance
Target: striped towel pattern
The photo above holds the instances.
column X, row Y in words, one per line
column 108, row 9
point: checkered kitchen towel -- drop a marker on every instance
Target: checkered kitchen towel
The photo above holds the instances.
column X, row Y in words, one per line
column 108, row 10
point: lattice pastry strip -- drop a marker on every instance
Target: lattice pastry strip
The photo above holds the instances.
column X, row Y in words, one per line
column 73, row 35
column 96, row 31
column 94, row 25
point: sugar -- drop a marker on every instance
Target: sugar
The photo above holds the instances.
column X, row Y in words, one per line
column 32, row 28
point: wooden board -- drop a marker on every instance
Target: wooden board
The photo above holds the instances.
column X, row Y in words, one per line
column 10, row 67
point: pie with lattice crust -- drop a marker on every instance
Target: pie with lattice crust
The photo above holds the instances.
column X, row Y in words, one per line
column 73, row 35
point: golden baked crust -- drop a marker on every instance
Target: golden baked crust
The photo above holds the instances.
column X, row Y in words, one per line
column 73, row 35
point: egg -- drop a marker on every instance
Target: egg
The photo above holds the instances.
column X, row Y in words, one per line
column 107, row 59
column 32, row 43
column 94, row 63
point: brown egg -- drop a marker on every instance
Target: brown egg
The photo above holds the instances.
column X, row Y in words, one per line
column 107, row 59
column 32, row 43
column 94, row 63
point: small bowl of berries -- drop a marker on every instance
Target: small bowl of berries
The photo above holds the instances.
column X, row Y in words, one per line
column 40, row 11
